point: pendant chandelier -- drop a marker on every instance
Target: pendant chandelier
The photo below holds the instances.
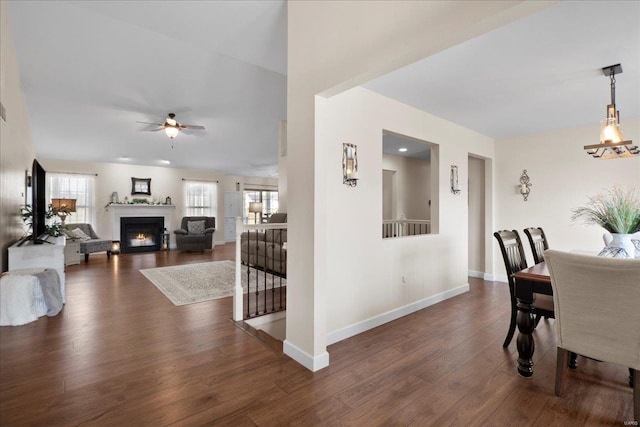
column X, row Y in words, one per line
column 612, row 144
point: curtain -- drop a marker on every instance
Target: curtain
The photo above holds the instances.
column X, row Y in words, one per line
column 201, row 198
column 79, row 187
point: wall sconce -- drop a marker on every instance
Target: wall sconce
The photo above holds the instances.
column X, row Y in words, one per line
column 525, row 185
column 350, row 164
column 455, row 186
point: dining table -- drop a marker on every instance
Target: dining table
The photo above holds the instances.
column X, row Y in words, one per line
column 528, row 282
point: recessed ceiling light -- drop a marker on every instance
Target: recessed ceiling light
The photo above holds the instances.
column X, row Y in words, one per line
column 402, row 150
column 124, row 158
column 165, row 162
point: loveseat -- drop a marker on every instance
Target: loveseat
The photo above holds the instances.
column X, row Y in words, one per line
column 266, row 249
column 89, row 240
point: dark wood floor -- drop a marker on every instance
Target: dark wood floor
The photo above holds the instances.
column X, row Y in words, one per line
column 121, row 353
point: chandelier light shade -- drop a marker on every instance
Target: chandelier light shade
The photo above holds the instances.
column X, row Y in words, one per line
column 612, row 144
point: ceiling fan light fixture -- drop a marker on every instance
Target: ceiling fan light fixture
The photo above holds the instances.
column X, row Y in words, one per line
column 171, row 131
column 612, row 144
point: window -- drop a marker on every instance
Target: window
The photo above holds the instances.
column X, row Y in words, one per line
column 269, row 200
column 79, row 187
column 201, row 198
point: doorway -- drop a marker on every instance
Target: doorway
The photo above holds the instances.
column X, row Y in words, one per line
column 477, row 216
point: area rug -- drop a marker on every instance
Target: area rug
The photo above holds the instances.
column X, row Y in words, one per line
column 192, row 283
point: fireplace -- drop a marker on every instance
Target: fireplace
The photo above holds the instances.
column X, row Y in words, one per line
column 141, row 234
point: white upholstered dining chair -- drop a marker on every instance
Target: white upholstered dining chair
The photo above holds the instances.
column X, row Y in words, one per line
column 597, row 309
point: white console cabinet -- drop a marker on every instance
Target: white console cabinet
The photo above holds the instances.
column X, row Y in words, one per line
column 45, row 255
column 72, row 255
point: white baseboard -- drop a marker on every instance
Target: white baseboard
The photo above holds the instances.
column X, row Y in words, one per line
column 481, row 275
column 500, row 278
column 312, row 363
column 357, row 328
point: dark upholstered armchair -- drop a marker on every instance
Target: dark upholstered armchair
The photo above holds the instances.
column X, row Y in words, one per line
column 195, row 233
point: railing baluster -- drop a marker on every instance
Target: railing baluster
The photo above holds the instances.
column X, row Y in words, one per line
column 405, row 227
column 257, row 273
column 248, row 275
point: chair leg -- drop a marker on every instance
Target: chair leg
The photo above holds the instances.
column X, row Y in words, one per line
column 514, row 313
column 636, row 394
column 561, row 370
column 538, row 317
column 86, row 257
column 512, row 327
column 631, row 376
column 573, row 360
column 108, row 254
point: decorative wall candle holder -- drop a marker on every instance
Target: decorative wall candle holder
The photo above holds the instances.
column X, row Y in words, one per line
column 350, row 164
column 455, row 186
column 525, row 185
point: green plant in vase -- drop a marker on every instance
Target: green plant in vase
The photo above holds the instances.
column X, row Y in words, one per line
column 617, row 211
column 51, row 228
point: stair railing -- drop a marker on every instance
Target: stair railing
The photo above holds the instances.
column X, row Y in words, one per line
column 405, row 227
column 261, row 261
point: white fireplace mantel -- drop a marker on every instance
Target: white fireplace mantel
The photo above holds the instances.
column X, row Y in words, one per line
column 140, row 210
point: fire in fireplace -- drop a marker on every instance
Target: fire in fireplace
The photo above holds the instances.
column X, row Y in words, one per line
column 141, row 234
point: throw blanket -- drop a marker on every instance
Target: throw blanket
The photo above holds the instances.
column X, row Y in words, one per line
column 16, row 300
column 50, row 284
column 22, row 294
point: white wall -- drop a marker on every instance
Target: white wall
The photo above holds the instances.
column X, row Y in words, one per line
column 563, row 177
column 360, row 269
column 16, row 147
column 282, row 166
column 164, row 182
column 412, row 185
column 334, row 46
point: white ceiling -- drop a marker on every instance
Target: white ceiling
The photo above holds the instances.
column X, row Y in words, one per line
column 540, row 73
column 90, row 70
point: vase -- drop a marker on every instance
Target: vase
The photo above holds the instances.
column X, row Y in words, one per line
column 623, row 241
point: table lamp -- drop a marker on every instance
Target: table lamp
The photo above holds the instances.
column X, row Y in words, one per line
column 63, row 207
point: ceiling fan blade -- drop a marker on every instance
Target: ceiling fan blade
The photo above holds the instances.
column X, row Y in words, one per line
column 186, row 131
column 152, row 127
column 149, row 123
column 192, row 127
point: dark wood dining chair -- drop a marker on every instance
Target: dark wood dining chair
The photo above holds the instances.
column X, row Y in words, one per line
column 514, row 261
column 538, row 241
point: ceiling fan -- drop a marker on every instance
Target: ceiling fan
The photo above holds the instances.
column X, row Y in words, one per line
column 172, row 127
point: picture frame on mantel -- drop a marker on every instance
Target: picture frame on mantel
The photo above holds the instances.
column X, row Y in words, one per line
column 140, row 186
